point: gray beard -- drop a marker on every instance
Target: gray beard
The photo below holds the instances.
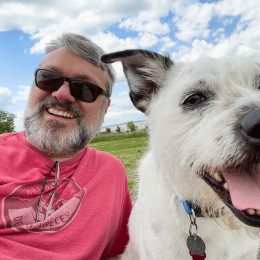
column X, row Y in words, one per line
column 51, row 137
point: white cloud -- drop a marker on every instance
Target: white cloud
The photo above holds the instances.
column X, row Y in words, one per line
column 5, row 97
column 149, row 20
column 111, row 43
column 227, row 21
column 192, row 21
column 39, row 46
column 219, row 30
column 176, row 56
column 232, row 46
column 145, row 40
column 248, row 10
column 90, row 18
column 200, row 49
column 121, row 111
column 121, row 103
column 22, row 94
column 247, row 32
column 123, row 93
column 245, row 39
column 167, row 44
column 141, row 24
column 46, row 21
column 120, row 76
column 18, row 121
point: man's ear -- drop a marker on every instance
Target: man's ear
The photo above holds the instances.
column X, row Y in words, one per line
column 145, row 72
column 108, row 104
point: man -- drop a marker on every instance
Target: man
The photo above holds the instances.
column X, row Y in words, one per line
column 61, row 199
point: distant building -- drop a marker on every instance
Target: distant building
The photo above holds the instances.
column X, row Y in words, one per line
column 139, row 125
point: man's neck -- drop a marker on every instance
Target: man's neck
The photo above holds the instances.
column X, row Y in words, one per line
column 64, row 158
column 57, row 158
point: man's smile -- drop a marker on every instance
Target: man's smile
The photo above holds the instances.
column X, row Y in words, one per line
column 60, row 113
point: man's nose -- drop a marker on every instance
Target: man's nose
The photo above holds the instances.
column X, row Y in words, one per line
column 63, row 93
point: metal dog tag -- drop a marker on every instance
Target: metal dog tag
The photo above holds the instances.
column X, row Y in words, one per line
column 196, row 245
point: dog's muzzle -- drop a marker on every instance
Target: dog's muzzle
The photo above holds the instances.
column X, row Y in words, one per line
column 239, row 187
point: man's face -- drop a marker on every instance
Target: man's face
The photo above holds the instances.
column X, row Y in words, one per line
column 48, row 110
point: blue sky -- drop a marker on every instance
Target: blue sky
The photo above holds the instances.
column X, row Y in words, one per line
column 185, row 29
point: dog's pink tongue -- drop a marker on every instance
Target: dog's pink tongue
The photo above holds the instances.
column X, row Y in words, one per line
column 244, row 188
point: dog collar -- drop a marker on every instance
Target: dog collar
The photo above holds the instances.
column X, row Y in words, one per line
column 188, row 206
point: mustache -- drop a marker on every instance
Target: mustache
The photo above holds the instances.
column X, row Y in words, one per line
column 79, row 112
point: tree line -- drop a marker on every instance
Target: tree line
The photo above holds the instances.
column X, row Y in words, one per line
column 130, row 125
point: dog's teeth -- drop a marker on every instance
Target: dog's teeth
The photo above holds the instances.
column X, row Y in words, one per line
column 258, row 212
column 218, row 177
column 250, row 211
column 226, row 186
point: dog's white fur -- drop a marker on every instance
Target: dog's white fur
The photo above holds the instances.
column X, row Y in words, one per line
column 181, row 143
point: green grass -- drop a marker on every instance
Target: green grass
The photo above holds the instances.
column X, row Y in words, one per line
column 113, row 137
column 128, row 150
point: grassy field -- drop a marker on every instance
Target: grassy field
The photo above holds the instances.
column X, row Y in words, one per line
column 113, row 137
column 128, row 148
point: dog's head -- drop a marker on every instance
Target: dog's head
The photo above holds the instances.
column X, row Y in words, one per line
column 204, row 124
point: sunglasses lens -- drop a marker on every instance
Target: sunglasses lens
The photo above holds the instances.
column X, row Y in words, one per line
column 84, row 91
column 48, row 80
column 79, row 89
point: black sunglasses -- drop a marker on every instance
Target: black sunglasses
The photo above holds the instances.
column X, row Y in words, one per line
column 82, row 90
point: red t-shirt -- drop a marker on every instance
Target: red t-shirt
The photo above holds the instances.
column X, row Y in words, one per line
column 90, row 211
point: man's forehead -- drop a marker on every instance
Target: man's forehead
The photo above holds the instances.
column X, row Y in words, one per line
column 67, row 63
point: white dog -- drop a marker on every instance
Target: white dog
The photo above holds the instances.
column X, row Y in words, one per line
column 204, row 150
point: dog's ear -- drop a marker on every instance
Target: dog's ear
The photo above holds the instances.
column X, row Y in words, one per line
column 145, row 72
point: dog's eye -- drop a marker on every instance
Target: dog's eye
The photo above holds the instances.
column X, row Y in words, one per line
column 194, row 99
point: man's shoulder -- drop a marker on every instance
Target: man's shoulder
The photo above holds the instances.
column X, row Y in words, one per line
column 9, row 144
column 7, row 136
column 107, row 167
column 103, row 155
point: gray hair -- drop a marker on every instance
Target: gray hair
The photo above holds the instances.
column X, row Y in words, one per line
column 86, row 49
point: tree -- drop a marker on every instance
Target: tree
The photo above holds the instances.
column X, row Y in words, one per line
column 131, row 126
column 118, row 129
column 6, row 122
column 108, row 130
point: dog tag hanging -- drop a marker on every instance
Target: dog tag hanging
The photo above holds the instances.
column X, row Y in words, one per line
column 197, row 247
column 195, row 244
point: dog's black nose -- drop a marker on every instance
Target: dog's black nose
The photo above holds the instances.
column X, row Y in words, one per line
column 250, row 127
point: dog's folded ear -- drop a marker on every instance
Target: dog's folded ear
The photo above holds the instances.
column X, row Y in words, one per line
column 145, row 72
